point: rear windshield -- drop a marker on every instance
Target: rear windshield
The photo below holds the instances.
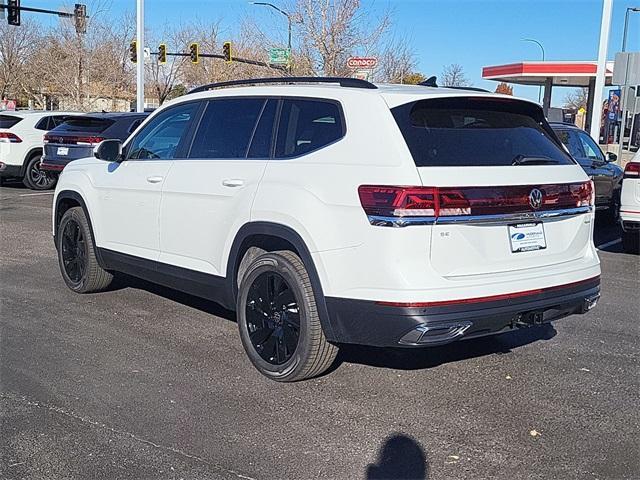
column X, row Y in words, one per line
column 85, row 124
column 8, row 121
column 477, row 132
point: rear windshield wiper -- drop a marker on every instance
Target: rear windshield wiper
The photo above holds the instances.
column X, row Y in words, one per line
column 530, row 160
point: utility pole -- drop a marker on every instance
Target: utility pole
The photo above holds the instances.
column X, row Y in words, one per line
column 596, row 112
column 140, row 57
column 533, row 40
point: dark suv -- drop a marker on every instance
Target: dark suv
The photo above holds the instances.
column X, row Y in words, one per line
column 76, row 137
column 606, row 176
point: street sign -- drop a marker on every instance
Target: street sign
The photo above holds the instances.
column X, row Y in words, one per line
column 626, row 70
column 362, row 63
column 279, row 56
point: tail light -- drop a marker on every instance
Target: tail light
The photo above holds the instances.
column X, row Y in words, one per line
column 632, row 170
column 8, row 137
column 396, row 201
column 73, row 140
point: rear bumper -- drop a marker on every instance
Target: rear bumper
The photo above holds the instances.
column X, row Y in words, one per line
column 383, row 325
column 53, row 165
column 630, row 218
column 10, row 170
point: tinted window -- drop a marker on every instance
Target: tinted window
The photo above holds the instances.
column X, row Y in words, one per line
column 43, row 124
column 226, row 128
column 571, row 141
column 134, row 125
column 307, row 125
column 591, row 150
column 160, row 138
column 262, row 137
column 475, row 132
column 85, row 124
column 8, row 121
column 55, row 121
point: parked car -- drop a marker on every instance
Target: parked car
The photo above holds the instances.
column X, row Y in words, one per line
column 76, row 137
column 630, row 206
column 606, row 175
column 328, row 211
column 21, row 145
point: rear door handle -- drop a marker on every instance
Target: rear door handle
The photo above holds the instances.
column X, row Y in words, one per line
column 233, row 182
column 155, row 179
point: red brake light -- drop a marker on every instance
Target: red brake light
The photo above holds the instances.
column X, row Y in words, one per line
column 8, row 137
column 632, row 169
column 394, row 201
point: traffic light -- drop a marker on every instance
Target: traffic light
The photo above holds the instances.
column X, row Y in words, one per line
column 194, row 54
column 80, row 17
column 13, row 12
column 226, row 51
column 133, row 51
column 162, row 54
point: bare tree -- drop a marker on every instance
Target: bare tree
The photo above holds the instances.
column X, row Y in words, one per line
column 577, row 98
column 453, row 76
column 17, row 49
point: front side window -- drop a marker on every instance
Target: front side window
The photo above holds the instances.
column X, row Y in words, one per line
column 591, row 150
column 456, row 132
column 161, row 137
column 307, row 125
column 226, row 128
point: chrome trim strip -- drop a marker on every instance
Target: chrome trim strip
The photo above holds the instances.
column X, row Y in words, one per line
column 477, row 219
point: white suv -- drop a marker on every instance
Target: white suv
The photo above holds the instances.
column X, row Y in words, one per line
column 329, row 211
column 630, row 206
column 21, row 143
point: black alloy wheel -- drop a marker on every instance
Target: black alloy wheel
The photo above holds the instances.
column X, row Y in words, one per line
column 37, row 179
column 74, row 251
column 273, row 318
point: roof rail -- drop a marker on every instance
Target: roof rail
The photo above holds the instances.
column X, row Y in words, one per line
column 342, row 81
column 473, row 89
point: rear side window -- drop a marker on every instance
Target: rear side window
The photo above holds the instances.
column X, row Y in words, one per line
column 226, row 128
column 85, row 125
column 476, row 132
column 572, row 142
column 307, row 125
column 135, row 124
column 8, row 121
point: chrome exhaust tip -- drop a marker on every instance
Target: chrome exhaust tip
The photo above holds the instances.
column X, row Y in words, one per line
column 435, row 334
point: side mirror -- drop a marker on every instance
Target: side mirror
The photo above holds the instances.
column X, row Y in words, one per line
column 611, row 157
column 109, row 150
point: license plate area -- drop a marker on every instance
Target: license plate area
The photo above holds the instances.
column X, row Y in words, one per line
column 63, row 151
column 527, row 237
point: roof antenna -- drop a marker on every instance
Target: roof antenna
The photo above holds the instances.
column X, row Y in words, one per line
column 429, row 82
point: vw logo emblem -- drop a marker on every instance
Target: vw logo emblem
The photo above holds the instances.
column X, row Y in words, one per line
column 535, row 198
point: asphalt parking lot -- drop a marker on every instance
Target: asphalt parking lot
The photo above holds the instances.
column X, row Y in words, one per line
column 141, row 382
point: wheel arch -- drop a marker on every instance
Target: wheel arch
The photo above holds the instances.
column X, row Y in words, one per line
column 275, row 236
column 30, row 154
column 65, row 200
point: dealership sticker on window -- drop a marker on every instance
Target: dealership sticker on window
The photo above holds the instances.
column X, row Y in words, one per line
column 526, row 237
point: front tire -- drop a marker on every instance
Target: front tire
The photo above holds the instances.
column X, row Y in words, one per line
column 76, row 254
column 35, row 178
column 278, row 319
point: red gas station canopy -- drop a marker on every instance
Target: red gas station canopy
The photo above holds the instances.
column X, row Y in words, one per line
column 568, row 74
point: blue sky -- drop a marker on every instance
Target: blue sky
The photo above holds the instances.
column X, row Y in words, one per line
column 472, row 33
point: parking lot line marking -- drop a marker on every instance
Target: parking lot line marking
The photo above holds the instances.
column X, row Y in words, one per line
column 609, row 244
column 34, row 194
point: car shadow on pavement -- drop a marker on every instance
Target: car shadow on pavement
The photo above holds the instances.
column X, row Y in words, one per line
column 399, row 457
column 429, row 357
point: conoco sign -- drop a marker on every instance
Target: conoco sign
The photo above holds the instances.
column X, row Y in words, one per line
column 362, row 62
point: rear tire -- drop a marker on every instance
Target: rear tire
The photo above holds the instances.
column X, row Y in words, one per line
column 631, row 242
column 76, row 254
column 35, row 178
column 278, row 319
